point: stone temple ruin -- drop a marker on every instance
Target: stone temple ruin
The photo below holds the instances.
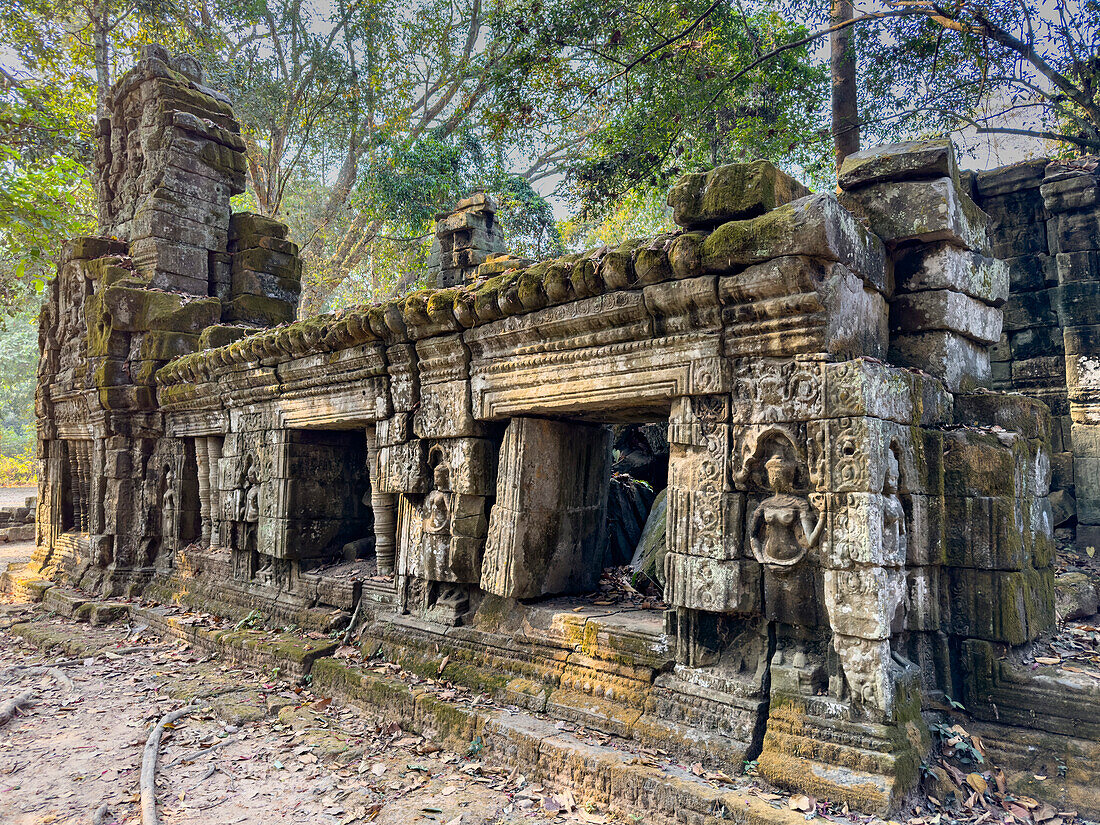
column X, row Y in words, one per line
column 860, row 524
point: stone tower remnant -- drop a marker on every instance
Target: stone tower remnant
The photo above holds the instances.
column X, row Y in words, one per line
column 859, row 528
column 465, row 238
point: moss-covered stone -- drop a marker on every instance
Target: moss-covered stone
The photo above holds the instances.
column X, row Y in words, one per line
column 733, row 192
column 259, row 310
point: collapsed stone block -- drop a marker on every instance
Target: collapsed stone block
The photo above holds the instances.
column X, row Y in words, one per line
column 914, row 160
column 925, row 211
column 733, row 192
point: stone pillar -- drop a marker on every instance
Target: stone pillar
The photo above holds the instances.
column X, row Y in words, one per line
column 266, row 272
column 211, row 506
column 384, row 509
column 706, row 570
column 547, row 526
column 944, row 315
column 170, row 156
column 1071, row 193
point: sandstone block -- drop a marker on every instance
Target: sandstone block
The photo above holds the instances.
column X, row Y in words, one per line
column 1004, row 180
column 1075, row 596
column 1029, row 309
column 943, row 309
column 713, row 585
column 960, row 362
column 87, row 248
column 243, row 224
column 915, row 160
column 249, row 282
column 795, row 304
column 1030, row 272
column 1063, row 507
column 158, row 255
column 868, row 603
column 944, row 266
column 1077, row 303
column 816, row 226
column 925, row 211
column 1036, row 342
column 1022, row 207
column 259, row 259
column 983, row 532
column 1000, row 606
column 1072, row 192
column 1018, row 414
column 1078, row 266
column 260, row 310
column 1074, row 232
column 979, row 463
column 164, row 345
column 1018, row 241
column 733, row 192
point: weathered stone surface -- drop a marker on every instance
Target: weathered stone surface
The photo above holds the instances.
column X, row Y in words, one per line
column 730, row 193
column 816, row 226
column 962, row 363
column 1027, row 174
column 648, row 563
column 943, row 266
column 915, row 160
column 260, row 310
column 547, row 526
column 1075, row 596
column 1074, row 232
column 925, row 211
column 1071, row 192
column 798, row 304
column 943, row 309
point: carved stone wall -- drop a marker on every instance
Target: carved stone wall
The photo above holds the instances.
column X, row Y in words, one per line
column 853, row 520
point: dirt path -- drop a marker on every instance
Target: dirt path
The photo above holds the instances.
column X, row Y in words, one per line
column 256, row 750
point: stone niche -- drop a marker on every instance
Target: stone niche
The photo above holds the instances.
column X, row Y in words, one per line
column 292, row 496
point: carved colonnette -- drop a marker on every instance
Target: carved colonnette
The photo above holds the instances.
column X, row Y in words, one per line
column 843, row 534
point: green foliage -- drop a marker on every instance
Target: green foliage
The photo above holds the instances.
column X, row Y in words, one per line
column 657, row 109
column 18, row 361
column 641, row 213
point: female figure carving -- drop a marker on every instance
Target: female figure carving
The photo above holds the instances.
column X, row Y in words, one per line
column 784, row 526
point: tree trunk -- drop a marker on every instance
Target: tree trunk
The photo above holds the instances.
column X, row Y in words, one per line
column 842, row 67
column 100, row 30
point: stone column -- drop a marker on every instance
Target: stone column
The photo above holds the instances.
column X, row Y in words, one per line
column 1071, row 193
column 384, row 509
column 202, row 460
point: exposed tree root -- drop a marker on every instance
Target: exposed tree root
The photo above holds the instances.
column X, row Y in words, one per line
column 149, row 765
column 346, row 638
column 12, row 706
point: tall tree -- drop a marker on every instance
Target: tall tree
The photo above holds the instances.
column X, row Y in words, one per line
column 845, row 89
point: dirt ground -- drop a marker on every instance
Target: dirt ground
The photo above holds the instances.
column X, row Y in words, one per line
column 254, row 750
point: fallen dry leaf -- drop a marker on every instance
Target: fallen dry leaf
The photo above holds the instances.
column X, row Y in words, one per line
column 977, row 782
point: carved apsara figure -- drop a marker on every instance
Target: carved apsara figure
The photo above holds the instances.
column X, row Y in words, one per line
column 168, row 510
column 895, row 539
column 437, row 505
column 784, row 526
